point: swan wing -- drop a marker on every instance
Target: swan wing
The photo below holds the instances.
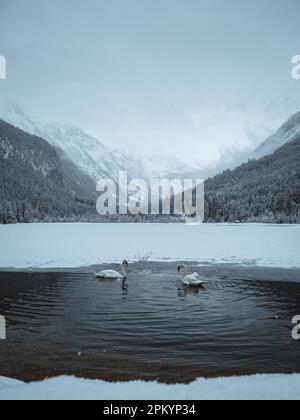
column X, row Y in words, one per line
column 193, row 280
column 109, row 274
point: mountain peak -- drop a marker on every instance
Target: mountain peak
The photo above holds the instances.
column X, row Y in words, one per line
column 292, row 121
column 287, row 133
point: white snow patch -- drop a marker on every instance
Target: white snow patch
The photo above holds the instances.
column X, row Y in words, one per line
column 76, row 245
column 286, row 133
column 259, row 387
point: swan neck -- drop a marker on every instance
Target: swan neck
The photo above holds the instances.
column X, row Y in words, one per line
column 123, row 271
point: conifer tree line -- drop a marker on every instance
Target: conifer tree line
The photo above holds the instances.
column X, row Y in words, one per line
column 265, row 190
column 40, row 184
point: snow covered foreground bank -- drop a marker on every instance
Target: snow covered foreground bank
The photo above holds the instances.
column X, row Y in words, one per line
column 77, row 245
column 259, row 387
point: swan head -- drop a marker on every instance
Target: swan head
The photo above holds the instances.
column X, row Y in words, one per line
column 125, row 264
column 181, row 268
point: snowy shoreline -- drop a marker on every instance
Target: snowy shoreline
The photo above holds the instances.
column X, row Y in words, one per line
column 258, row 387
column 48, row 246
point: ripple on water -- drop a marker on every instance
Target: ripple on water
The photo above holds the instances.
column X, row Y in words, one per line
column 153, row 330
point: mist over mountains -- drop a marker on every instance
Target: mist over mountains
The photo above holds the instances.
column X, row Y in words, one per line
column 93, row 157
column 49, row 172
column 265, row 190
column 288, row 132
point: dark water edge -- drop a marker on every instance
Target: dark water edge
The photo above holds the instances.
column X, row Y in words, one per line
column 68, row 323
column 238, row 271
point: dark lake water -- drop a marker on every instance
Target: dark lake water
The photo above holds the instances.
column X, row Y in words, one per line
column 70, row 323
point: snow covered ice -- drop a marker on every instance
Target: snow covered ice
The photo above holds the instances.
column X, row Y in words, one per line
column 77, row 245
column 259, row 387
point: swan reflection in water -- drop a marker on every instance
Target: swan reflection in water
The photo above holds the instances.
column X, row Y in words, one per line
column 190, row 283
column 124, row 287
column 185, row 290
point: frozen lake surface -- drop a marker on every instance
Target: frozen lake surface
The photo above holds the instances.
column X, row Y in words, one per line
column 76, row 245
column 258, row 387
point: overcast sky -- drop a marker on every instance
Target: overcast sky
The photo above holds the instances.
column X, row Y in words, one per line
column 186, row 77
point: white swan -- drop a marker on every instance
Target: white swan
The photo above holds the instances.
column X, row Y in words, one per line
column 112, row 274
column 189, row 279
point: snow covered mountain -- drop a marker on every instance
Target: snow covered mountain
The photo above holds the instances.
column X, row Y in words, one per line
column 287, row 133
column 170, row 166
column 92, row 156
column 265, row 190
column 38, row 181
column 86, row 152
column 13, row 115
column 152, row 166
